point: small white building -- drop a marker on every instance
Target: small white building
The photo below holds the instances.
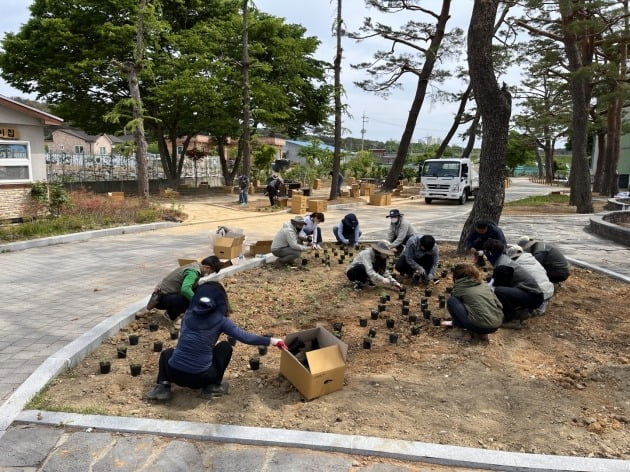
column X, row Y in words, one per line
column 22, row 154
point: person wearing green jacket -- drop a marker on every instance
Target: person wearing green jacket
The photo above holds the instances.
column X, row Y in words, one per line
column 473, row 305
column 174, row 292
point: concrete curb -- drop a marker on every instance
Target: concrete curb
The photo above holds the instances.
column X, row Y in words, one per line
column 596, row 268
column 454, row 456
column 85, row 236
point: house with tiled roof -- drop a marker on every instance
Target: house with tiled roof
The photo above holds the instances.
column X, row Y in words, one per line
column 76, row 141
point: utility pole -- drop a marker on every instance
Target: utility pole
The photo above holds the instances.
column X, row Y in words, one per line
column 364, row 120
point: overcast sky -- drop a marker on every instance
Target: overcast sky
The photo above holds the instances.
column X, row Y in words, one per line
column 384, row 117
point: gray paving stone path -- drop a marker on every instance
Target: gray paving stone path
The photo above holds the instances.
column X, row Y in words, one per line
column 53, row 295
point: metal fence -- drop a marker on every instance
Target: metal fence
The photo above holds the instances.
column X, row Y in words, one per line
column 79, row 168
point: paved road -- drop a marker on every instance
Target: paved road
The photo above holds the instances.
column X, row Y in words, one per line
column 54, row 294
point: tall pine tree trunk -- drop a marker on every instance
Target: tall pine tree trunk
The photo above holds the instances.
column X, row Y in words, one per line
column 334, row 185
column 421, row 90
column 495, row 105
column 246, row 96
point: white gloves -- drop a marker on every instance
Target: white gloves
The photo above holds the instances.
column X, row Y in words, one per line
column 275, row 341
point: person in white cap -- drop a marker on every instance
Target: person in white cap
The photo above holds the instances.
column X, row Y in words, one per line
column 400, row 230
column 549, row 256
column 286, row 244
column 369, row 267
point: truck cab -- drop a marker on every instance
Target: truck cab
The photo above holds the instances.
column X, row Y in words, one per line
column 448, row 179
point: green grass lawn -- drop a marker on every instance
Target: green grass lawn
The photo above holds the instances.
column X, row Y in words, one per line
column 540, row 200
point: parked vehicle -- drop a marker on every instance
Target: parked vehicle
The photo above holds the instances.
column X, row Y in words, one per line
column 448, row 179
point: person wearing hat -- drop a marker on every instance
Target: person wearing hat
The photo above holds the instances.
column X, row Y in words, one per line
column 536, row 270
column 198, row 361
column 369, row 267
column 515, row 288
column 286, row 244
column 400, row 230
column 348, row 232
column 420, row 258
column 549, row 256
column 175, row 291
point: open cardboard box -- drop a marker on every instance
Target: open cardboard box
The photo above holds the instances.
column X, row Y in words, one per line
column 228, row 248
column 261, row 247
column 326, row 365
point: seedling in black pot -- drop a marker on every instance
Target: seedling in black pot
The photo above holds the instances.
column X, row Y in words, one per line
column 174, row 334
column 367, row 343
column 231, row 340
column 393, row 338
column 337, row 326
column 374, row 314
column 405, row 310
column 135, row 369
column 381, row 307
column 389, row 322
column 262, row 350
column 372, row 332
column 105, row 367
column 254, row 363
column 428, row 292
column 413, row 318
column 157, row 346
column 415, row 330
column 436, row 321
column 133, row 339
column 363, row 321
column 153, row 326
column 121, row 352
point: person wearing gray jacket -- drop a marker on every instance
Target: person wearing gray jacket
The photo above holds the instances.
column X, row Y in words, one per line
column 286, row 244
column 369, row 267
column 420, row 258
column 549, row 256
column 400, row 230
column 513, row 285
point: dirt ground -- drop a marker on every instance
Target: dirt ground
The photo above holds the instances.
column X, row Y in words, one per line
column 559, row 386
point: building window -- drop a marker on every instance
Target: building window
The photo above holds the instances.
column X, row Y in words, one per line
column 78, row 149
column 180, row 149
column 61, row 147
column 102, row 150
column 15, row 161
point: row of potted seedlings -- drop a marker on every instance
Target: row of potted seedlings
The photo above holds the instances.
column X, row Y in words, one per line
column 135, row 368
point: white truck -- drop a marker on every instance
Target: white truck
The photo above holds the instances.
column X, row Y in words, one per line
column 448, row 179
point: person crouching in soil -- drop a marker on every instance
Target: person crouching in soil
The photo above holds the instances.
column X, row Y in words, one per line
column 369, row 267
column 175, row 291
column 198, row 361
column 473, row 306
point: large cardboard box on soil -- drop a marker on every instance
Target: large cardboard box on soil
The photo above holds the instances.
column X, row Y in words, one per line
column 228, row 248
column 326, row 364
column 261, row 247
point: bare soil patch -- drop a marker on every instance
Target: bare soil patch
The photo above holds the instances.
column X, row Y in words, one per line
column 559, row 386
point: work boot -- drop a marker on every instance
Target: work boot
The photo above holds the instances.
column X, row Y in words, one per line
column 215, row 390
column 161, row 392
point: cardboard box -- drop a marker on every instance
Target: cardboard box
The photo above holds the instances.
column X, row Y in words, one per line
column 116, row 196
column 283, row 202
column 228, row 248
column 381, row 199
column 261, row 247
column 326, row 365
column 355, row 192
column 317, row 205
column 317, row 183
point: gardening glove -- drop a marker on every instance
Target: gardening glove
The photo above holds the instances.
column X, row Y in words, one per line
column 277, row 342
column 395, row 283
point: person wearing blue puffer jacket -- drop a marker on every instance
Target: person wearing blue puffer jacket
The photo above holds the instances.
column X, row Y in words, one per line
column 348, row 232
column 199, row 361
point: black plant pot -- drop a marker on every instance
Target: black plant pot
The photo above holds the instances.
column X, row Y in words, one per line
column 372, row 332
column 363, row 321
column 413, row 318
column 316, row 255
column 157, row 346
column 426, row 314
column 367, row 343
column 231, row 340
column 442, row 303
column 401, row 295
column 436, row 321
column 121, row 352
column 105, row 367
column 449, row 289
column 428, row 292
column 382, row 307
column 340, row 261
column 415, row 330
column 133, row 339
column 174, row 334
column 387, row 298
column 382, row 299
column 405, row 310
column 254, row 363
column 424, row 306
column 153, row 326
column 135, row 369
column 337, row 326
column 374, row 314
column 262, row 350
column 424, row 300
column 393, row 338
column 405, row 302
column 389, row 322
column 304, row 261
